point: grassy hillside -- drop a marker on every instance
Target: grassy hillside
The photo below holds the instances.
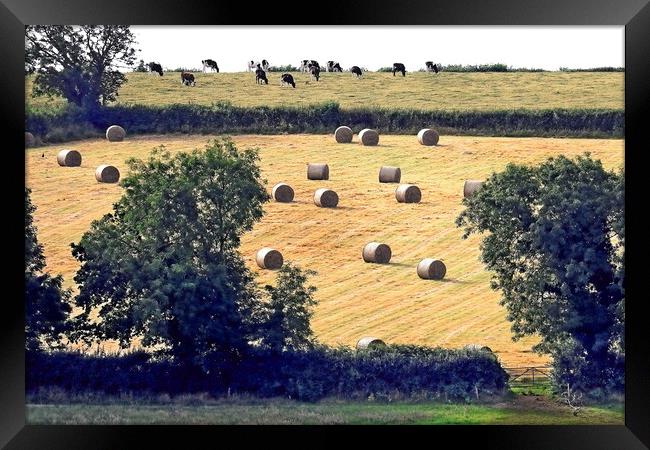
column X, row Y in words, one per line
column 355, row 299
column 445, row 91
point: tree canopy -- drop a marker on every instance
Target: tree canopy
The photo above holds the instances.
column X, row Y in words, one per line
column 79, row 63
column 164, row 266
column 46, row 302
column 555, row 241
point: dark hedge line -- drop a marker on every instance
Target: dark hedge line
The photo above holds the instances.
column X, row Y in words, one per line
column 403, row 371
column 73, row 123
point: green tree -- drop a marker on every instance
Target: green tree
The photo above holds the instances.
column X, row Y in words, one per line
column 289, row 311
column 164, row 265
column 79, row 62
column 555, row 242
column 46, row 303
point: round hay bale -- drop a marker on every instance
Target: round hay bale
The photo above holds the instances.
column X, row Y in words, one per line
column 376, row 253
column 69, row 158
column 269, row 258
column 470, row 187
column 369, row 137
column 282, row 192
column 107, row 174
column 343, row 135
column 115, row 133
column 318, row 171
column 408, row 193
column 30, row 140
column 389, row 174
column 326, row 198
column 431, row 269
column 369, row 342
column 427, row 136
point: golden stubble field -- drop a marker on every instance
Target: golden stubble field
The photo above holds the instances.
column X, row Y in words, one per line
column 445, row 91
column 355, row 299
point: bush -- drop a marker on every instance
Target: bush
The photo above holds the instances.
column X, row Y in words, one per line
column 594, row 69
column 74, row 123
column 404, row 371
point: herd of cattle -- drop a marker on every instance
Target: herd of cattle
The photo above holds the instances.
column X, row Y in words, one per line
column 306, row 65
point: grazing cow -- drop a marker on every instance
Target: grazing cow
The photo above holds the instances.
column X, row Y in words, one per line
column 253, row 65
column 155, row 68
column 431, row 67
column 287, row 79
column 260, row 76
column 210, row 64
column 399, row 67
column 333, row 66
column 356, row 71
column 314, row 71
column 187, row 79
column 265, row 65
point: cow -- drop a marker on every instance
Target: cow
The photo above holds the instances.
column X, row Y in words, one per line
column 399, row 67
column 187, row 79
column 431, row 67
column 210, row 64
column 265, row 65
column 314, row 71
column 306, row 64
column 287, row 79
column 253, row 65
column 356, row 71
column 260, row 76
column 155, row 68
column 333, row 66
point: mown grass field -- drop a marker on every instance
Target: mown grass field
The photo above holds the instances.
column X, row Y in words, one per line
column 355, row 299
column 519, row 411
column 444, row 91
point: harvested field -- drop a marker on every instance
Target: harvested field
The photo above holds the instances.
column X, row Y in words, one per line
column 355, row 299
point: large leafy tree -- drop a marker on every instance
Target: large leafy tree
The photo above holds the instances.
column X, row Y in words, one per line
column 555, row 241
column 164, row 265
column 288, row 311
column 79, row 63
column 46, row 302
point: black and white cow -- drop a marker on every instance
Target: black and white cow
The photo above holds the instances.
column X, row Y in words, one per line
column 210, row 64
column 314, row 72
column 187, row 79
column 399, row 67
column 306, row 64
column 155, row 68
column 431, row 67
column 356, row 70
column 333, row 66
column 260, row 76
column 287, row 79
column 265, row 65
column 253, row 65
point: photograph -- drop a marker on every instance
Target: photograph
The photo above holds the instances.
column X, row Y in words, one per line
column 317, row 234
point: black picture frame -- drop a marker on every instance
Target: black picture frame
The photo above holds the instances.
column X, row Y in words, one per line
column 633, row 14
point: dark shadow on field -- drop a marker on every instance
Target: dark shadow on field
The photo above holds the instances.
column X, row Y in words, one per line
column 401, row 264
column 453, row 280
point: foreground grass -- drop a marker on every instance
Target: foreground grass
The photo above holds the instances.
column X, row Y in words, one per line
column 519, row 411
column 445, row 91
column 354, row 299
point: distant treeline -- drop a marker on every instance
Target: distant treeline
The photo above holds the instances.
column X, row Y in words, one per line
column 73, row 123
column 498, row 67
column 406, row 371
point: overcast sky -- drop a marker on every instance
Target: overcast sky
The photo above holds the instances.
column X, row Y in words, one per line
column 373, row 47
